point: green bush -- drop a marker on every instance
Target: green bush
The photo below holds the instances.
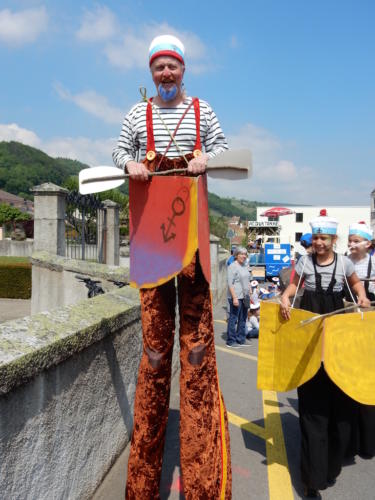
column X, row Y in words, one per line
column 15, row 280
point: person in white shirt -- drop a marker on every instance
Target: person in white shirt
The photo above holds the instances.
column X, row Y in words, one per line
column 252, row 323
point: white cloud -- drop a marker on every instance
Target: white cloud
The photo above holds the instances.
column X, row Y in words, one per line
column 97, row 25
column 264, row 146
column 274, row 178
column 12, row 132
column 18, row 28
column 90, row 151
column 132, row 50
column 128, row 48
column 283, row 171
column 93, row 103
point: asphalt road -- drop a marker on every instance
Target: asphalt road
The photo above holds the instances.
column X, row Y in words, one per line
column 264, row 435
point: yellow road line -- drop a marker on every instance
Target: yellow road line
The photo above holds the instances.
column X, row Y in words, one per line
column 236, row 353
column 220, row 321
column 279, row 482
column 255, row 429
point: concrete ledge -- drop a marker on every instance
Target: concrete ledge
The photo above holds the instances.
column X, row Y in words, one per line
column 57, row 263
column 32, row 344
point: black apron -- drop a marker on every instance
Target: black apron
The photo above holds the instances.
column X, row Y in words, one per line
column 363, row 439
column 326, row 413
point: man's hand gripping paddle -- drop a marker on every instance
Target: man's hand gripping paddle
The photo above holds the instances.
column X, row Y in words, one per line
column 231, row 165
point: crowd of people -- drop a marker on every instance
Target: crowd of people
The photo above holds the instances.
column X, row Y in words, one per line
column 333, row 426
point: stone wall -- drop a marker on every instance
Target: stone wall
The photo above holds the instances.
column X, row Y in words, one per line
column 12, row 248
column 67, row 382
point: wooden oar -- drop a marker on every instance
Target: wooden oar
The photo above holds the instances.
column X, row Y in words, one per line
column 231, row 165
column 332, row 313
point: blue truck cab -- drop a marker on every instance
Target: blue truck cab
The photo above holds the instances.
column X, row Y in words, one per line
column 270, row 260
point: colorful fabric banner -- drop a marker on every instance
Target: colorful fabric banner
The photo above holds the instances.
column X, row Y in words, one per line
column 290, row 354
column 168, row 223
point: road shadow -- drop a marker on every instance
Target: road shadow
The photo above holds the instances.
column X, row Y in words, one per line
column 291, row 433
column 171, row 459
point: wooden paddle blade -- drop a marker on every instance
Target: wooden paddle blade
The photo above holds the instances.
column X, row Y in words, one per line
column 235, row 164
column 96, row 174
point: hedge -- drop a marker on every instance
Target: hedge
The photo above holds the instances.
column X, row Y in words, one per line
column 15, row 279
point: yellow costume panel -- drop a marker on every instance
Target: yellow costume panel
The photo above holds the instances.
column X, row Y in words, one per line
column 289, row 354
column 349, row 354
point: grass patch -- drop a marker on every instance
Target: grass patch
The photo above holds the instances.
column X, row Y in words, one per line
column 14, row 260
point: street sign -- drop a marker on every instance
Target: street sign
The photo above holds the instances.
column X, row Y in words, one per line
column 255, row 223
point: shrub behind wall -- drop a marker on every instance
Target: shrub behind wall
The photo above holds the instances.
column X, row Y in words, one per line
column 15, row 280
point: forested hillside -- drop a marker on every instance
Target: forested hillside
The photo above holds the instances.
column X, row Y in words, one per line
column 227, row 207
column 22, row 167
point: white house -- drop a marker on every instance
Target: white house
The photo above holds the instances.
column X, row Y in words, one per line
column 293, row 226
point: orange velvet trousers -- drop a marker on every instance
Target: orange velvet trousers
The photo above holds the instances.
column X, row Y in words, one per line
column 204, row 437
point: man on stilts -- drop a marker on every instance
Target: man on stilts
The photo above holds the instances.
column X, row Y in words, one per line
column 173, row 131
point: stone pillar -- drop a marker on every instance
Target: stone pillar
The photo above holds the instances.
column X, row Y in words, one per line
column 100, row 234
column 112, row 240
column 49, row 218
column 214, row 254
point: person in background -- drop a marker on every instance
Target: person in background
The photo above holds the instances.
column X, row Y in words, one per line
column 306, row 244
column 252, row 323
column 325, row 412
column 254, row 292
column 360, row 236
column 239, row 299
column 231, row 258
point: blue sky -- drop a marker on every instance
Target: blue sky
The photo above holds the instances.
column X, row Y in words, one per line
column 292, row 80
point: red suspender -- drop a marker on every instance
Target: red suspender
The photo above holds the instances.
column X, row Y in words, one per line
column 150, row 152
column 198, row 145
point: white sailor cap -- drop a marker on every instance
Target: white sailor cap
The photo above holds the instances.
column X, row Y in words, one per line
column 361, row 229
column 166, row 45
column 324, row 224
column 254, row 284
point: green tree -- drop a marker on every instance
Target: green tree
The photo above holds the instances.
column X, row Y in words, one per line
column 8, row 213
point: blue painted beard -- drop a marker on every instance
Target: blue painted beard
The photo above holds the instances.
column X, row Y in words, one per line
column 167, row 95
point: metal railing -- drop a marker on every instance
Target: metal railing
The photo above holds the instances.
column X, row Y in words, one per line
column 85, row 227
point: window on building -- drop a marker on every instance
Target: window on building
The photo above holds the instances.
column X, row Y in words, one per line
column 273, row 219
column 298, row 236
column 299, row 217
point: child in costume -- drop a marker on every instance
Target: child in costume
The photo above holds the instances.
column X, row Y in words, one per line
column 325, row 412
column 252, row 323
column 360, row 236
column 254, row 293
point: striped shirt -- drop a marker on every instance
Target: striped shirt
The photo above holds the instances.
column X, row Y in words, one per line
column 361, row 267
column 132, row 143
